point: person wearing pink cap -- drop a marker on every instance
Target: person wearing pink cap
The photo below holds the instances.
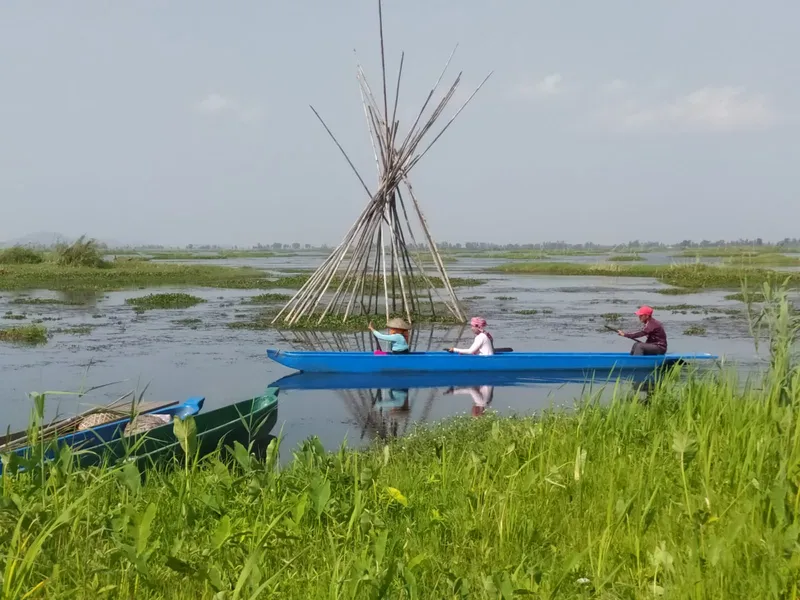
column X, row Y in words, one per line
column 656, row 342
column 483, row 344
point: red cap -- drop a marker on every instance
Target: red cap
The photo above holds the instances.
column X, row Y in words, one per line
column 644, row 310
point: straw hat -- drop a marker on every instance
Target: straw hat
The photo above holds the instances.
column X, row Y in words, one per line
column 398, row 323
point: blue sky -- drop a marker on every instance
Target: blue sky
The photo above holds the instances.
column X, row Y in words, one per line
column 189, row 122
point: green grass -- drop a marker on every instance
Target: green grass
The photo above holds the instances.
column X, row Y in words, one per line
column 158, row 301
column 735, row 251
column 25, row 334
column 694, row 276
column 771, row 260
column 137, row 274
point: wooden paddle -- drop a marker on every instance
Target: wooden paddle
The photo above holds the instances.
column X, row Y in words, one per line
column 496, row 350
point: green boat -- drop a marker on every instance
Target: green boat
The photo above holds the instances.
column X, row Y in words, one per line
column 249, row 422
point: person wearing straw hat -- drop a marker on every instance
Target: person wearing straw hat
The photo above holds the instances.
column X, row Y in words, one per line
column 483, row 343
column 656, row 342
column 398, row 336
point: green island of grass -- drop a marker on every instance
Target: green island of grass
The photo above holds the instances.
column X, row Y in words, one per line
column 32, row 334
column 158, row 301
column 690, row 276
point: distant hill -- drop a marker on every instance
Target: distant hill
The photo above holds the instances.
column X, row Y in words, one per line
column 46, row 239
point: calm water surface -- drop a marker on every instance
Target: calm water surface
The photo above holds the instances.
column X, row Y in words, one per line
column 175, row 360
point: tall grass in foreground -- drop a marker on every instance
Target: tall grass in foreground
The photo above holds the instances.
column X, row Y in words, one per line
column 694, row 494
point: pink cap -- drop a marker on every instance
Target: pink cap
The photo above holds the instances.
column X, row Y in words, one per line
column 478, row 322
column 644, row 310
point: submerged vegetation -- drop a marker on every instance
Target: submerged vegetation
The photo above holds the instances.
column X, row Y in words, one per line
column 24, row 334
column 156, row 301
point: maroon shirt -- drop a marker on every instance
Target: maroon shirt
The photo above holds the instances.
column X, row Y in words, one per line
column 654, row 331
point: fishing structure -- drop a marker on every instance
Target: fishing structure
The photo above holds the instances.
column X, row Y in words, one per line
column 372, row 271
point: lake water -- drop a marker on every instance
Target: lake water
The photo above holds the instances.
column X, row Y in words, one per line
column 227, row 365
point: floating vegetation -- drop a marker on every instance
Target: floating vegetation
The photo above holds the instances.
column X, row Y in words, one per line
column 267, row 299
column 191, row 323
column 158, row 301
column 20, row 255
column 505, row 298
column 612, row 317
column 695, row 330
column 76, row 330
column 26, row 334
column 528, row 311
column 547, row 311
column 625, row 258
column 14, row 317
column 754, row 296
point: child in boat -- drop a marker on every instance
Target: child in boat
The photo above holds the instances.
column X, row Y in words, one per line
column 483, row 344
column 398, row 336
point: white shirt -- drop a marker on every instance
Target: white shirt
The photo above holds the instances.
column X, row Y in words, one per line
column 482, row 345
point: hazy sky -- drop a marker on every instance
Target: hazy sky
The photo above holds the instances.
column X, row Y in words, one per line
column 189, row 121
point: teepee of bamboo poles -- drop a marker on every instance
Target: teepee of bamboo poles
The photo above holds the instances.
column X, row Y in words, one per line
column 372, row 270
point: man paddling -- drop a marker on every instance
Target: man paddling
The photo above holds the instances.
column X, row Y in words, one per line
column 656, row 342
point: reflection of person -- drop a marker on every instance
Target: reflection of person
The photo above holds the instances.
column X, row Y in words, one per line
column 481, row 397
column 397, row 401
column 483, row 344
column 398, row 336
column 656, row 342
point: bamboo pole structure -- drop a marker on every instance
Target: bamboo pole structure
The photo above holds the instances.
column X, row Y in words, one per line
column 362, row 268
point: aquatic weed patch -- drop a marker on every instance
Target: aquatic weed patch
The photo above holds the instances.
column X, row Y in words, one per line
column 47, row 302
column 625, row 258
column 694, row 330
column 267, row 299
column 33, row 334
column 157, row 301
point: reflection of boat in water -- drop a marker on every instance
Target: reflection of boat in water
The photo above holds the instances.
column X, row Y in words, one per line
column 443, row 379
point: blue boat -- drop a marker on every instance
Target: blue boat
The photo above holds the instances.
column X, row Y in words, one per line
column 420, row 362
column 87, row 439
column 445, row 379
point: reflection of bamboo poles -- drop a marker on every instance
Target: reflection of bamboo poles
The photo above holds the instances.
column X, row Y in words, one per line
column 361, row 404
column 366, row 241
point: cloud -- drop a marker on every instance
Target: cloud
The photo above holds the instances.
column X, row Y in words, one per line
column 550, row 85
column 718, row 109
column 217, row 104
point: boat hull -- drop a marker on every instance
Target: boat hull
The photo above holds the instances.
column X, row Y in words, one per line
column 107, row 434
column 247, row 422
column 418, row 362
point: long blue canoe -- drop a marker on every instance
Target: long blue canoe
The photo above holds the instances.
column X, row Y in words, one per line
column 107, row 433
column 445, row 379
column 366, row 362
